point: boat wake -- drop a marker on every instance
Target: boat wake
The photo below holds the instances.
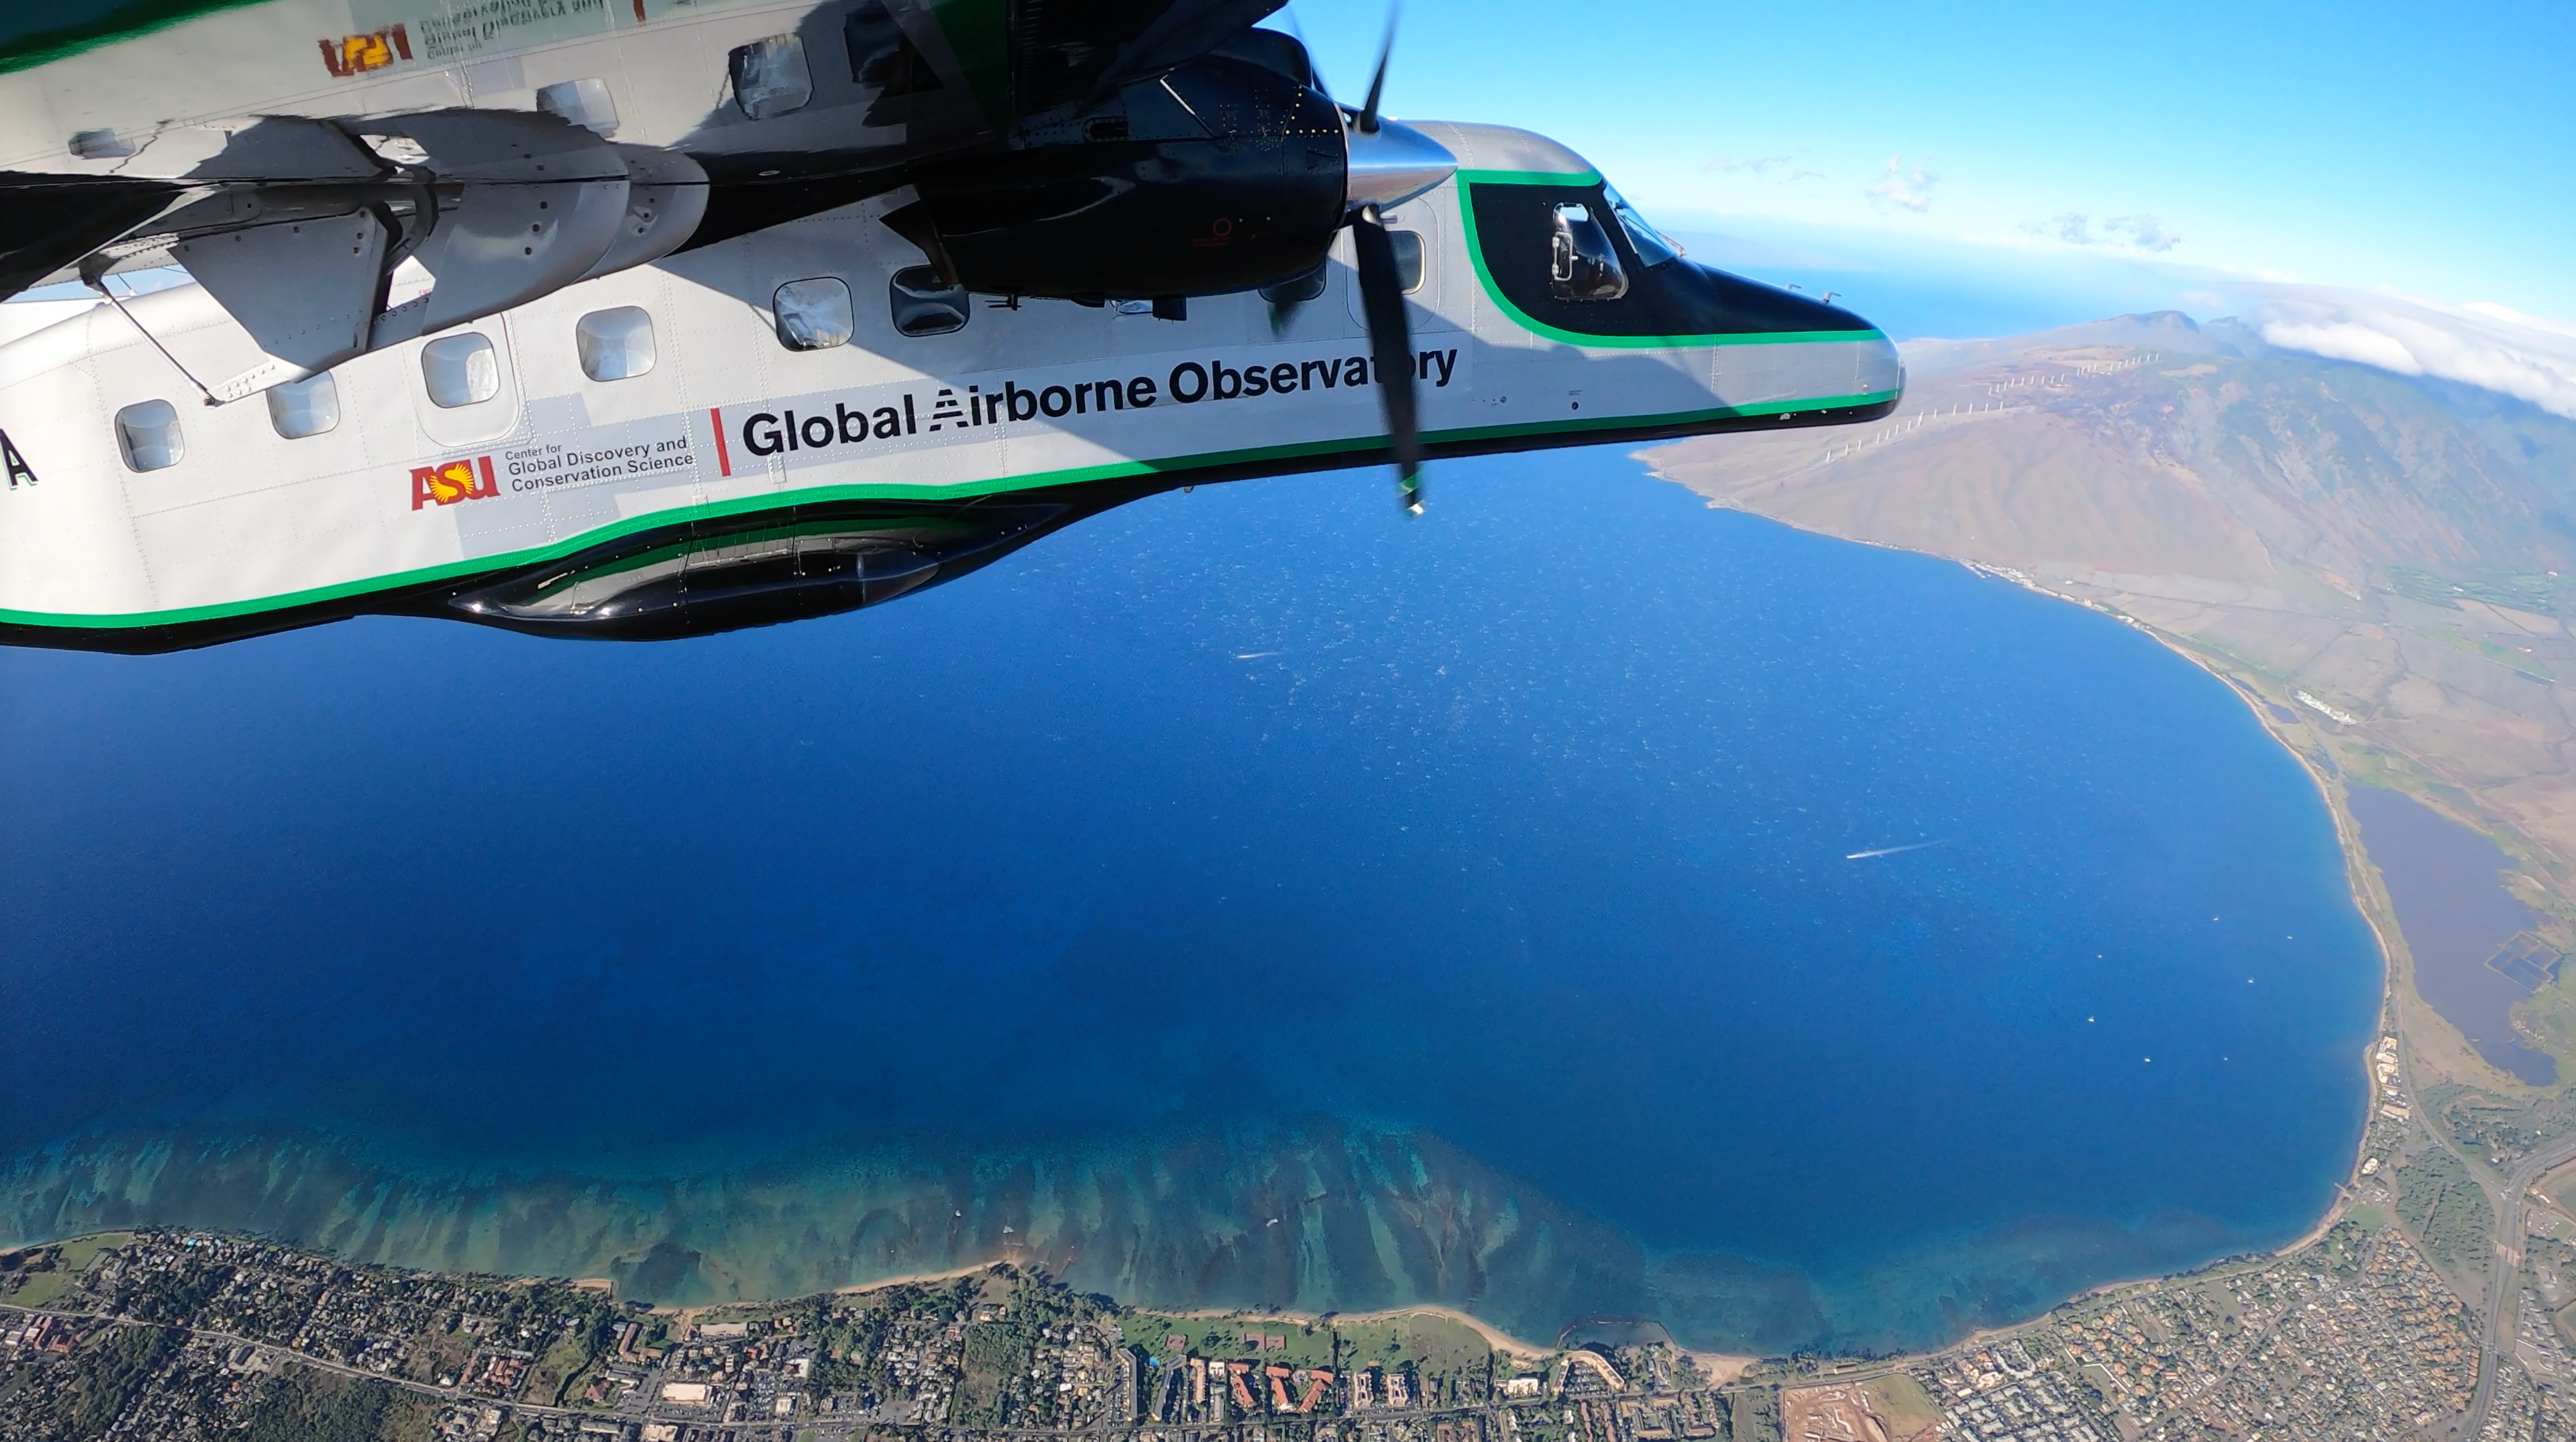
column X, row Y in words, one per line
column 1888, row 851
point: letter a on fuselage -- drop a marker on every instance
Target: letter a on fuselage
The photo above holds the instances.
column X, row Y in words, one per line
column 20, row 473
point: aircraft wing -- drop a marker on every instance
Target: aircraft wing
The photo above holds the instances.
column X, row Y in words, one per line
column 420, row 171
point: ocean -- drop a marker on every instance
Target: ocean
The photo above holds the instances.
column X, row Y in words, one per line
column 1576, row 905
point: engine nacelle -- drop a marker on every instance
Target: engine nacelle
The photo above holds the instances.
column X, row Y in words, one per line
column 1222, row 176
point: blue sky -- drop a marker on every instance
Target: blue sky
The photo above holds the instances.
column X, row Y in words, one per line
column 2427, row 149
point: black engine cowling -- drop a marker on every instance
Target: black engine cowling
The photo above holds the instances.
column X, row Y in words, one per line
column 1222, row 176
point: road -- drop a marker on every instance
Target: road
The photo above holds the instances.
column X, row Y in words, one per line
column 2504, row 1276
column 2504, row 1273
column 307, row 1359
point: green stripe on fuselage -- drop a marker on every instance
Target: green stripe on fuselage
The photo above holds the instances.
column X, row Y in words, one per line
column 34, row 34
column 1613, row 426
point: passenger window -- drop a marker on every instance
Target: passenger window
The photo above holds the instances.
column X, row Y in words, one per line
column 1653, row 247
column 814, row 314
column 100, row 145
column 1581, row 263
column 304, row 408
column 148, row 433
column 770, row 78
column 615, row 344
column 585, row 103
column 923, row 306
column 460, row 370
column 1408, row 257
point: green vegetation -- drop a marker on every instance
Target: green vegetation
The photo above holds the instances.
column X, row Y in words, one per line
column 38, row 1276
column 2342, row 1246
column 1449, row 1360
column 1541, row 1424
column 2496, row 1127
column 111, row 1371
column 1757, row 1416
column 568, row 1358
column 2550, row 1014
column 2442, row 1206
column 442, row 1353
column 172, row 1296
column 301, row 1405
column 1909, row 1409
column 81, row 1253
column 2523, row 591
column 32, row 1287
column 996, row 1353
column 853, row 1353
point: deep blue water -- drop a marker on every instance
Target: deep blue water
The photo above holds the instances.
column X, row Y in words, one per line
column 1526, row 822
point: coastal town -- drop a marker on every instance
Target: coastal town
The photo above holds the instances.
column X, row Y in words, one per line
column 187, row 1335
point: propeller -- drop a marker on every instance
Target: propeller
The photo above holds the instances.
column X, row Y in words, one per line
column 1391, row 348
column 1389, row 164
column 1367, row 123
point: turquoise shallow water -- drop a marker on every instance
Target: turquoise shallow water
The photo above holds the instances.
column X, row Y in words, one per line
column 1476, row 896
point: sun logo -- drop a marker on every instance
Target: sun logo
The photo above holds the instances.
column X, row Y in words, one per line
column 449, row 482
column 357, row 54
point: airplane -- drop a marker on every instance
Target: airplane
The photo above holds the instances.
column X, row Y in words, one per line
column 642, row 319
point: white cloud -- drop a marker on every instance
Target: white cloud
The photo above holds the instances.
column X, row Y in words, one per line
column 1759, row 167
column 2073, row 227
column 1899, row 190
column 2485, row 345
column 2143, row 232
column 2120, row 232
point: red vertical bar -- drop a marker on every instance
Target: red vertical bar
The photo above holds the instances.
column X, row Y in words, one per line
column 715, row 417
column 491, row 487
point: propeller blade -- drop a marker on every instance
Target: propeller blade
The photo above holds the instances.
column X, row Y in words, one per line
column 1377, row 82
column 1391, row 345
column 1314, row 72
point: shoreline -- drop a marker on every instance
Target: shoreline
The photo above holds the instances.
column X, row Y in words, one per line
column 1495, row 1337
column 2322, row 777
column 2359, row 871
column 1725, row 1368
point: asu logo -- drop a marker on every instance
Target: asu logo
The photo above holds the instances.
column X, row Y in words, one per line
column 451, row 481
column 357, row 54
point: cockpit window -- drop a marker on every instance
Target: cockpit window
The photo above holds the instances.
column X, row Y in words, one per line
column 1653, row 246
column 1581, row 263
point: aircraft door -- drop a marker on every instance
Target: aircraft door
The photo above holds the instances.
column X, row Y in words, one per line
column 464, row 384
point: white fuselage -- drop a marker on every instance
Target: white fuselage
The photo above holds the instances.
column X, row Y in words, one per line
column 727, row 421
column 137, row 106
